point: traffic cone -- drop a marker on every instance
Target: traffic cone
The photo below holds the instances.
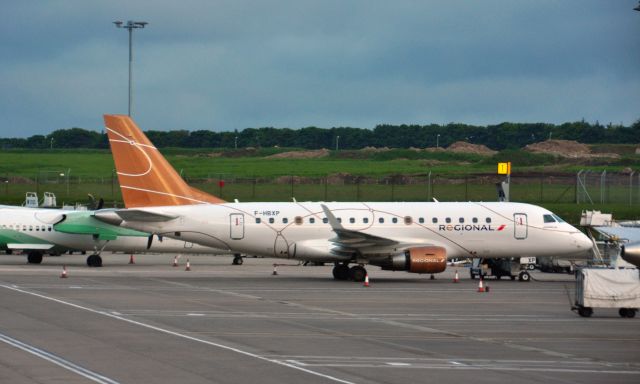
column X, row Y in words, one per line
column 366, row 280
column 188, row 268
column 175, row 261
column 131, row 260
column 456, row 279
column 275, row 269
column 64, row 272
column 480, row 287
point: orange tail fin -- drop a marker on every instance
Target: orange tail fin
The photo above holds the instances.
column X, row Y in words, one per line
column 146, row 177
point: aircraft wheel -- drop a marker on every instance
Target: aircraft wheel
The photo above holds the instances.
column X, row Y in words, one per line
column 498, row 277
column 238, row 260
column 473, row 276
column 585, row 311
column 623, row 312
column 34, row 257
column 8, row 251
column 513, row 278
column 94, row 261
column 631, row 313
column 341, row 272
column 357, row 273
column 524, row 276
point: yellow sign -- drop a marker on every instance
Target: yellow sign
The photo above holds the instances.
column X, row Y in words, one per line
column 504, row 168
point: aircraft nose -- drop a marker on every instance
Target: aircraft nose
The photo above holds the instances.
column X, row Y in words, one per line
column 583, row 243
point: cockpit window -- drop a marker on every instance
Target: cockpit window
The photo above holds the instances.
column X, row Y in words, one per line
column 558, row 219
column 549, row 219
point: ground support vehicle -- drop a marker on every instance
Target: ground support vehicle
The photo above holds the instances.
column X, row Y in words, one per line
column 499, row 267
column 607, row 288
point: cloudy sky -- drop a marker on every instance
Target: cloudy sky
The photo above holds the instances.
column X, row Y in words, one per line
column 225, row 65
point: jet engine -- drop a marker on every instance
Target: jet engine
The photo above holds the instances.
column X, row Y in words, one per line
column 418, row 260
column 631, row 253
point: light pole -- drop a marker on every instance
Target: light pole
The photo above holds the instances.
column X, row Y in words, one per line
column 236, row 142
column 51, row 147
column 437, row 141
column 130, row 25
column 337, row 142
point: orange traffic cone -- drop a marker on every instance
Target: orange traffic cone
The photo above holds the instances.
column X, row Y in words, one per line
column 64, row 272
column 175, row 261
column 456, row 278
column 366, row 280
column 480, row 287
column 188, row 268
column 131, row 260
column 275, row 269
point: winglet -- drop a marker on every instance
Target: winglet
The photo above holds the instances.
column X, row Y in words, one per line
column 146, row 177
column 335, row 224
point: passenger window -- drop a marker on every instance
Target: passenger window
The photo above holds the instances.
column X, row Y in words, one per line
column 365, row 220
column 24, row 227
column 475, row 219
column 394, row 220
column 408, row 220
column 339, row 219
column 298, row 220
column 461, row 220
column 325, row 220
column 549, row 219
column 30, row 228
column 381, row 220
column 421, row 220
column 312, row 220
column 487, row 220
column 271, row 220
column 38, row 228
column 448, row 220
column 352, row 220
column 258, row 220
column 285, row 220
column 49, row 229
column 434, row 220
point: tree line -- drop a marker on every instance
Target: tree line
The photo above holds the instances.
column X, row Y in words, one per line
column 497, row 137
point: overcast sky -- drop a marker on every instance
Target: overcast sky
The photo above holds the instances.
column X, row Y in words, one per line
column 225, row 65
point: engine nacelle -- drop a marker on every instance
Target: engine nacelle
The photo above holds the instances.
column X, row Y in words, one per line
column 631, row 253
column 419, row 260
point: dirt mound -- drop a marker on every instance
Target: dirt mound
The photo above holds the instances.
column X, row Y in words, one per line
column 301, row 154
column 464, row 147
column 564, row 148
column 374, row 149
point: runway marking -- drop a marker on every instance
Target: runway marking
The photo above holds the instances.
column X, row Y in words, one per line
column 560, row 366
column 181, row 335
column 57, row 360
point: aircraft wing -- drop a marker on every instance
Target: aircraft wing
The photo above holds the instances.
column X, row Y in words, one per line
column 35, row 247
column 142, row 215
column 348, row 238
column 11, row 239
column 84, row 223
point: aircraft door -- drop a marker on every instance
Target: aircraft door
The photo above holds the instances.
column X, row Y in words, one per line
column 236, row 221
column 520, row 227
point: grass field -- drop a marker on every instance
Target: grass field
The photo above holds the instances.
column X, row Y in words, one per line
column 91, row 172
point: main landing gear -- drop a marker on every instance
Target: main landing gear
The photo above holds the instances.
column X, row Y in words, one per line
column 34, row 257
column 357, row 273
column 94, row 260
column 237, row 259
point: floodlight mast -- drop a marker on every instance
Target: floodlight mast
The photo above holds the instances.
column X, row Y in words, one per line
column 130, row 26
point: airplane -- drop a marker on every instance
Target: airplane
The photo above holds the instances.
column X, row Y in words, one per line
column 39, row 231
column 413, row 237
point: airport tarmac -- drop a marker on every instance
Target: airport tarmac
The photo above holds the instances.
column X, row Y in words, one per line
column 221, row 323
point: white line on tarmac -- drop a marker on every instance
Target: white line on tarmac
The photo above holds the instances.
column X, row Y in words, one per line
column 66, row 364
column 181, row 335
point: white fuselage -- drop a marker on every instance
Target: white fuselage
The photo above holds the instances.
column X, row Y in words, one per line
column 38, row 223
column 299, row 230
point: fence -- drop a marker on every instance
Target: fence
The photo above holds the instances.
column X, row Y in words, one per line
column 584, row 187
